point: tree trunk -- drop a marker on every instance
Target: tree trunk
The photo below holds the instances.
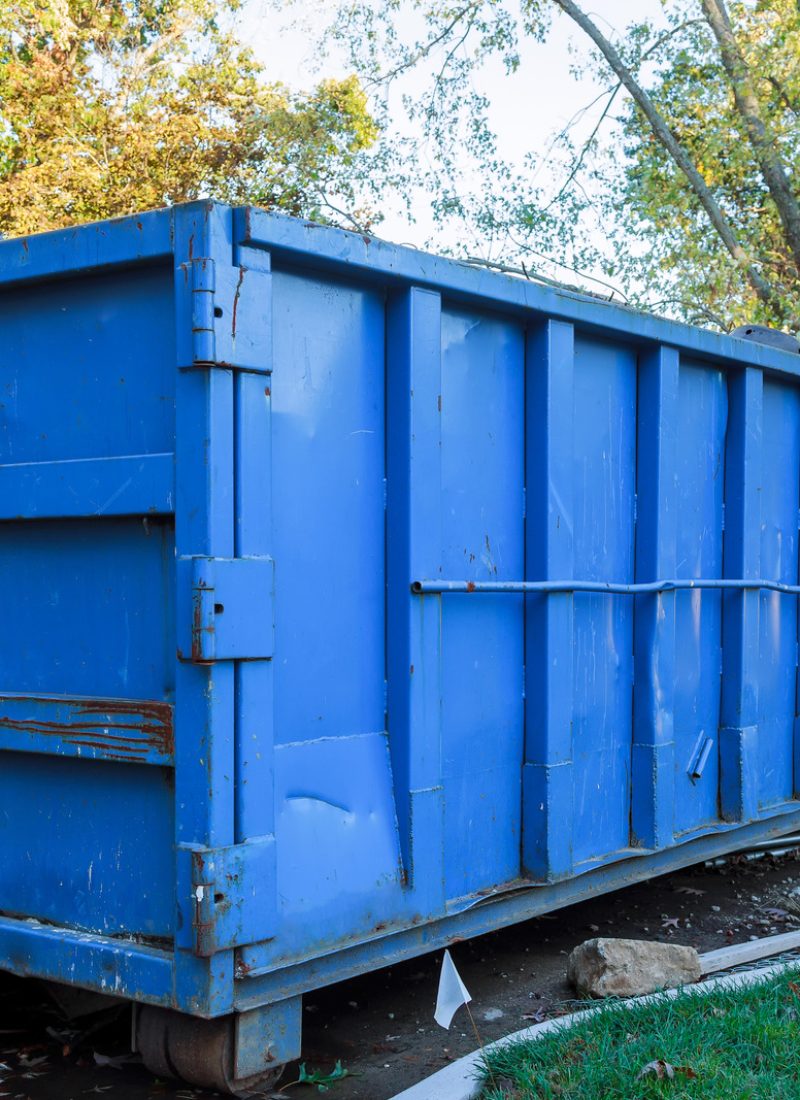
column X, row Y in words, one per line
column 749, row 109
column 664, row 135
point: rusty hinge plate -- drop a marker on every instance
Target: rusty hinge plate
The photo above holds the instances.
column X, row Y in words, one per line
column 232, row 901
column 226, row 608
column 231, row 316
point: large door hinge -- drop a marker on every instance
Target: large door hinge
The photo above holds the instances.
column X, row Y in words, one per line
column 232, row 902
column 226, row 609
column 231, row 316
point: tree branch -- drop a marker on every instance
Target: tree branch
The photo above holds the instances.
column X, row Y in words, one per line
column 749, row 109
column 664, row 135
column 578, row 163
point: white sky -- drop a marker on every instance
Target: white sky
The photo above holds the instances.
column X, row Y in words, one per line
column 528, row 107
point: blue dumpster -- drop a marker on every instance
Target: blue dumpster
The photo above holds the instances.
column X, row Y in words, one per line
column 358, row 600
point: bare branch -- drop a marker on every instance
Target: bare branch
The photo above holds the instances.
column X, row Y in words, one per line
column 783, row 95
column 427, row 47
column 578, row 163
column 536, row 277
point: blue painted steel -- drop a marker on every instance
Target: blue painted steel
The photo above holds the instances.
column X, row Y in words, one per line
column 254, row 737
column 547, row 774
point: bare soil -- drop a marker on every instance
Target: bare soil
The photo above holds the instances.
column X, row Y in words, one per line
column 381, row 1026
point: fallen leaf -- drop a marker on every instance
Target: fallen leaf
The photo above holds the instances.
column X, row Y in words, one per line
column 670, row 922
column 537, row 1017
column 688, row 890
column 661, row 1069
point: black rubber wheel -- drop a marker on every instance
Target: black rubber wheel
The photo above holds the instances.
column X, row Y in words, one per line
column 197, row 1051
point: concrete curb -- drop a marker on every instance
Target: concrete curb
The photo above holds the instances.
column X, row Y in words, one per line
column 458, row 1081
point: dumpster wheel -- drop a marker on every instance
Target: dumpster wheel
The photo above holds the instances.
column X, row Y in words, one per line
column 200, row 1052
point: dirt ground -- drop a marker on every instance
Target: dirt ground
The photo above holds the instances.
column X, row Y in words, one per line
column 381, row 1027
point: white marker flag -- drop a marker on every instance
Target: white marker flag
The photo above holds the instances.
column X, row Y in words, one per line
column 452, row 993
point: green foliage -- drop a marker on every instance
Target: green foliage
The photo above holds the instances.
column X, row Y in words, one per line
column 113, row 106
column 729, row 1044
column 621, row 208
column 693, row 94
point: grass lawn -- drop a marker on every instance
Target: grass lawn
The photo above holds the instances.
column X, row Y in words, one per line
column 733, row 1044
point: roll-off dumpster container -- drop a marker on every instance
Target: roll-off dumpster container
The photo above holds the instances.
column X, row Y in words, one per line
column 357, row 600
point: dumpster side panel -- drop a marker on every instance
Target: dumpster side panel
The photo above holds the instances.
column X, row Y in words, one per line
column 604, row 480
column 336, row 832
column 700, row 470
column 777, row 668
column 328, row 507
column 86, row 369
column 99, row 836
column 482, row 405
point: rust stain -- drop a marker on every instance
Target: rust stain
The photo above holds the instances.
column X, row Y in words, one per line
column 470, row 586
column 119, row 728
column 242, row 271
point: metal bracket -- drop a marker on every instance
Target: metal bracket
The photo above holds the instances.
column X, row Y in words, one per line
column 233, row 894
column 231, row 317
column 226, row 609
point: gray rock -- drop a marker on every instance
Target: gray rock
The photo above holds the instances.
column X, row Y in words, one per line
column 630, row 968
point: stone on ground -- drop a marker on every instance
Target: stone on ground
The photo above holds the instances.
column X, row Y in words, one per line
column 630, row 968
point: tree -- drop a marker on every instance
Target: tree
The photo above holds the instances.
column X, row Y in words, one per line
column 112, row 106
column 699, row 216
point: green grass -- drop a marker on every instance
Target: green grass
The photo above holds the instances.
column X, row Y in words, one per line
column 732, row 1044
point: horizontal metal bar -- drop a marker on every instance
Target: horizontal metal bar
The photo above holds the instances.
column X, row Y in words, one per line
column 296, row 241
column 137, row 239
column 86, row 487
column 118, row 967
column 136, row 731
column 610, row 588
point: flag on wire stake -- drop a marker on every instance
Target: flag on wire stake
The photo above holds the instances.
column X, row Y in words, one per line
column 451, row 996
column 452, row 993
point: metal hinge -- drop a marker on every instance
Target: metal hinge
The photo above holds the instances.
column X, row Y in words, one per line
column 231, row 316
column 232, row 901
column 226, row 609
